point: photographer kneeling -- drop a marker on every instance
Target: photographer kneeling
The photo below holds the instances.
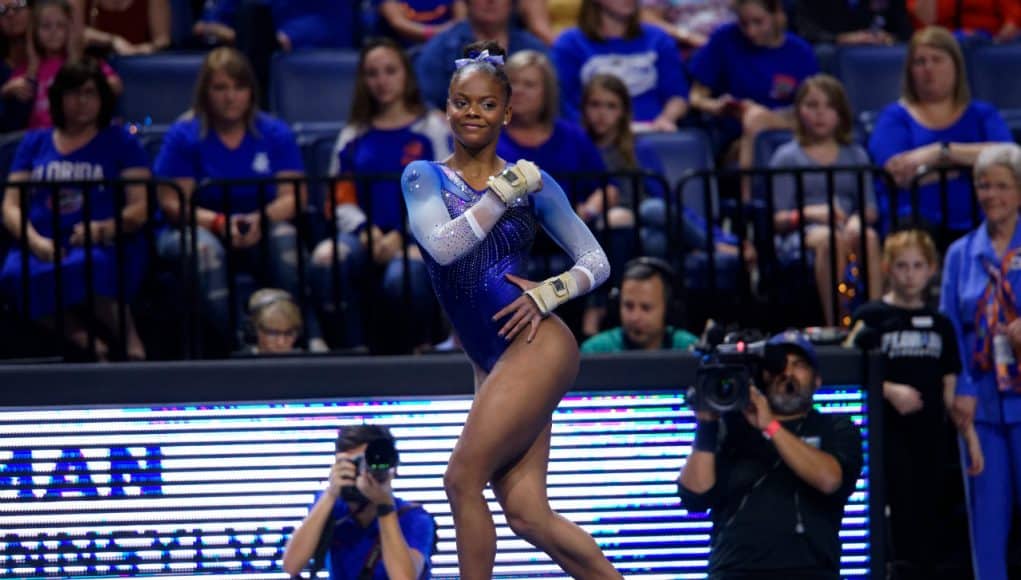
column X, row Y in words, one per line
column 775, row 479
column 356, row 523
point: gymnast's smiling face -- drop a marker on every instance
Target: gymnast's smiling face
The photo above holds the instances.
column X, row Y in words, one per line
column 477, row 108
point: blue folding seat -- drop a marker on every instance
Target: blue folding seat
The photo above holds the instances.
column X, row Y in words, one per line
column 995, row 73
column 313, row 86
column 158, row 88
column 871, row 76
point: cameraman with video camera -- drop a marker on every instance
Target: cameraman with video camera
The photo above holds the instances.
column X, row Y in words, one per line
column 356, row 526
column 775, row 472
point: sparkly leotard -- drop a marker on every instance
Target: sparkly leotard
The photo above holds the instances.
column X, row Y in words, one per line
column 467, row 266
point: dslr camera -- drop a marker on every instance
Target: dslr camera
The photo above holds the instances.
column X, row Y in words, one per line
column 730, row 364
column 380, row 456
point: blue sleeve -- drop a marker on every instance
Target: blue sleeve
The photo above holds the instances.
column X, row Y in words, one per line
column 431, row 70
column 419, row 530
column 222, row 11
column 948, row 305
column 570, row 233
column 861, row 157
column 993, row 126
column 784, row 187
column 568, row 60
column 671, row 78
column 284, row 147
column 706, row 65
column 891, row 135
column 131, row 153
column 25, row 154
column 177, row 156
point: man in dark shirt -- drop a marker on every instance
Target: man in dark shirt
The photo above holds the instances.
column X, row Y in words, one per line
column 776, row 477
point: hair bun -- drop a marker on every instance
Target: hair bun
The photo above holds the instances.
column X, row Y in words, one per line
column 474, row 49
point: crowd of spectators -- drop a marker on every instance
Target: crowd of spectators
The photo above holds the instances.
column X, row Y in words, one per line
column 590, row 79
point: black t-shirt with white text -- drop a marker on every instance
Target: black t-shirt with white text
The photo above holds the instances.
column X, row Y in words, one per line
column 919, row 348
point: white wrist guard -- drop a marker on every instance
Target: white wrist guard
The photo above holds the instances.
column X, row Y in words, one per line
column 553, row 292
column 516, row 181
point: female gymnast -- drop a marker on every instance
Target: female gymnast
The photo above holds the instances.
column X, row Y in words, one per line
column 475, row 218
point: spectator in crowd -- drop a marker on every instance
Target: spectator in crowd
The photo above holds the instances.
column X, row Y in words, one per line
column 984, row 19
column 775, row 477
column 919, row 349
column 413, row 22
column 877, row 22
column 486, row 20
column 537, row 134
column 646, row 296
column 546, row 19
column 82, row 145
column 606, row 115
column 57, row 41
column 610, row 38
column 275, row 322
column 689, row 22
column 388, row 128
column 823, row 139
column 16, row 93
column 225, row 137
column 934, row 124
column 299, row 24
column 979, row 297
column 747, row 75
column 126, row 27
column 369, row 532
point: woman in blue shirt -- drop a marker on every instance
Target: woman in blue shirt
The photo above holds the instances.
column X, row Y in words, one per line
column 537, row 134
column 224, row 137
column 981, row 278
column 82, row 146
column 610, row 38
column 388, row 128
column 745, row 78
column 934, row 124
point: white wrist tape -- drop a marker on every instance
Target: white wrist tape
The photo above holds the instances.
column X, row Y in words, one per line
column 553, row 292
column 516, row 181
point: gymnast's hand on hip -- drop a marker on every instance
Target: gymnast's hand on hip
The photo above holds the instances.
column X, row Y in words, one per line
column 522, row 312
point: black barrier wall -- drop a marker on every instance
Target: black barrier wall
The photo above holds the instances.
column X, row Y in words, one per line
column 160, row 422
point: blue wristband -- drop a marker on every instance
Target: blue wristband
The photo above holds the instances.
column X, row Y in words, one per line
column 707, row 435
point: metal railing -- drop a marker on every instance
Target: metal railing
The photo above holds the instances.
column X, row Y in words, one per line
column 746, row 220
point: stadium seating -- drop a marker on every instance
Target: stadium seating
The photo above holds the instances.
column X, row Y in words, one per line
column 995, row 74
column 313, row 86
column 157, row 87
column 872, row 77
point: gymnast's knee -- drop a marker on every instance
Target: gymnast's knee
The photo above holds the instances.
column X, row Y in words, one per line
column 530, row 521
column 461, row 482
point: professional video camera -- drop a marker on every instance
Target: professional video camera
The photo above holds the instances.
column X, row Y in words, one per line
column 380, row 456
column 730, row 364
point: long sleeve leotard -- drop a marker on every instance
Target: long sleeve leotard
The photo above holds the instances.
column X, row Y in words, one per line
column 470, row 241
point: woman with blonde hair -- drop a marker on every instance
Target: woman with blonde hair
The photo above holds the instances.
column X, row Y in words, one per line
column 935, row 124
column 225, row 137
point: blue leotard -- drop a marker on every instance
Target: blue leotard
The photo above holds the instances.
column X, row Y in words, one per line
column 467, row 266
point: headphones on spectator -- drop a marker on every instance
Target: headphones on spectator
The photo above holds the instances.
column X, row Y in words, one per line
column 671, row 284
column 249, row 332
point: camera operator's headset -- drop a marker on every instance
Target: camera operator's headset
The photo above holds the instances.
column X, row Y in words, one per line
column 675, row 312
